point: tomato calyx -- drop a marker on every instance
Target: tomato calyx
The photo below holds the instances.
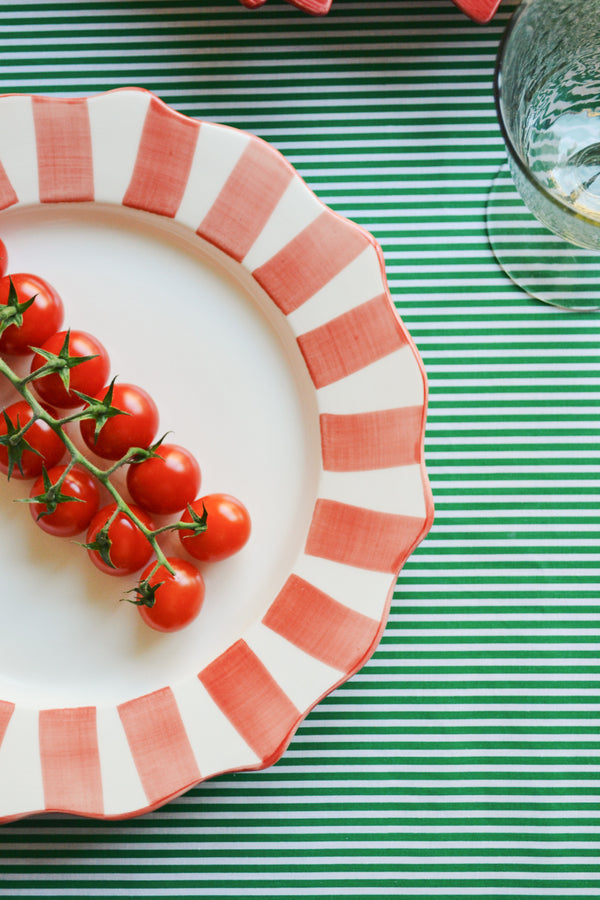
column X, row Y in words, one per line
column 141, row 454
column 15, row 443
column 11, row 313
column 145, row 593
column 59, row 363
column 198, row 525
column 51, row 496
column 100, row 409
column 102, row 544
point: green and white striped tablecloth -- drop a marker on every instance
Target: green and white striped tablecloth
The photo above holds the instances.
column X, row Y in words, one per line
column 464, row 759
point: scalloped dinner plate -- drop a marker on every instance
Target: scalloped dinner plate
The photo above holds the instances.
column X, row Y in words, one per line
column 261, row 322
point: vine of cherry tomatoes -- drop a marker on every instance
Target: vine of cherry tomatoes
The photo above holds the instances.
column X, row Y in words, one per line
column 65, row 498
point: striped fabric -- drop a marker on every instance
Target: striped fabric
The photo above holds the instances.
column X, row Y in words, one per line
column 462, row 760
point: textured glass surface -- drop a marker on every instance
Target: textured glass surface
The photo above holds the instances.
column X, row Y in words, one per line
column 549, row 104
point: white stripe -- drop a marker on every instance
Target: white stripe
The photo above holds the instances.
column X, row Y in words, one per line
column 296, row 210
column 515, row 530
column 302, row 677
column 424, row 757
column 350, row 770
column 362, row 892
column 503, row 690
column 361, row 590
column 216, row 744
column 451, row 742
column 121, row 786
column 474, row 709
column 359, row 281
column 372, row 875
column 286, row 859
column 397, row 490
column 468, row 598
column 553, row 487
column 216, row 154
column 18, row 153
column 114, row 161
column 428, row 554
column 393, row 381
column 21, row 788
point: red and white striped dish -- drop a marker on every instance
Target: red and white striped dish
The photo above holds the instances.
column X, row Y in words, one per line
column 480, row 10
column 324, row 279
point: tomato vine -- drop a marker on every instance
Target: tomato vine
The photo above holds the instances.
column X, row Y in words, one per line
column 118, row 424
column 99, row 410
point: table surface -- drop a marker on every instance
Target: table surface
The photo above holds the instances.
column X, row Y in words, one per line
column 463, row 759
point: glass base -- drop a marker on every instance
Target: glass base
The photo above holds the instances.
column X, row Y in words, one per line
column 535, row 259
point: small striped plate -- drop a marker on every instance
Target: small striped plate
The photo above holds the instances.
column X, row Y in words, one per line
column 262, row 323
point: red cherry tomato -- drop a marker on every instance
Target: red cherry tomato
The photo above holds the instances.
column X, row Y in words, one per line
column 129, row 548
column 227, row 528
column 167, row 483
column 3, row 259
column 88, row 377
column 40, row 437
column 41, row 320
column 179, row 598
column 72, row 516
column 136, row 429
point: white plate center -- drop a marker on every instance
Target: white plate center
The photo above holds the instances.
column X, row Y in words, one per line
column 230, row 384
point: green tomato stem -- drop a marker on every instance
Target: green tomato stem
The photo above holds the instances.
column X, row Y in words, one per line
column 78, row 458
column 39, row 373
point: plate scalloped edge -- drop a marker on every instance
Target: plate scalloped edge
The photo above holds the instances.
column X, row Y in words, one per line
column 326, row 275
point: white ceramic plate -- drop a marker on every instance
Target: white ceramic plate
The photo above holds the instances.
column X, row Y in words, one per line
column 261, row 323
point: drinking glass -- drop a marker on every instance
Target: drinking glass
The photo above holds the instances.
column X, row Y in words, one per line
column 547, row 93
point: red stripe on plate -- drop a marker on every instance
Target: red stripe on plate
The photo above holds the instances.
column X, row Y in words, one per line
column 159, row 744
column 310, row 260
column 252, row 700
column 352, row 341
column 481, row 11
column 247, row 199
column 320, row 625
column 314, row 7
column 361, row 537
column 64, row 149
column 371, row 440
column 163, row 162
column 6, row 711
column 70, row 760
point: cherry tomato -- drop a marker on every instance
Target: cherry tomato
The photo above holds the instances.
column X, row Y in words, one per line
column 41, row 320
column 87, row 377
column 227, row 528
column 179, row 598
column 136, row 429
column 167, row 483
column 72, row 516
column 129, row 549
column 3, row 259
column 40, row 437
